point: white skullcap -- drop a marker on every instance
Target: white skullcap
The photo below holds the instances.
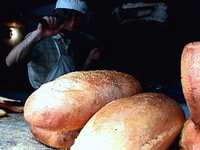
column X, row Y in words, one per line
column 77, row 5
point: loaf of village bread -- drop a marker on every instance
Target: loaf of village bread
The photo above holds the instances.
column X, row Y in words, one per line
column 63, row 106
column 145, row 121
column 190, row 79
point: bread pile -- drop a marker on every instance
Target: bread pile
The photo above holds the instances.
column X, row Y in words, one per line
column 8, row 104
column 190, row 73
column 59, row 109
column 102, row 110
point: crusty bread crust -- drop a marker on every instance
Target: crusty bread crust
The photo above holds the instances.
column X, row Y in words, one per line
column 190, row 139
column 190, row 78
column 146, row 121
column 68, row 102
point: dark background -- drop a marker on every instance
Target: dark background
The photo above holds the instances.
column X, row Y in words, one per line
column 150, row 51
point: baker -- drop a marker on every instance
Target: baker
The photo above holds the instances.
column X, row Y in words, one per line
column 59, row 47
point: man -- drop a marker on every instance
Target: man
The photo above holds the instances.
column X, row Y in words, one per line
column 57, row 47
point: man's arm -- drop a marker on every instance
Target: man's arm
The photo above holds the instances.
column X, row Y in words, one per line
column 22, row 50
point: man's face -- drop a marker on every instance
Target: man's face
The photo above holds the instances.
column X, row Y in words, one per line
column 74, row 22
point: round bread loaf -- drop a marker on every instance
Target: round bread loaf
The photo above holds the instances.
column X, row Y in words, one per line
column 68, row 102
column 146, row 121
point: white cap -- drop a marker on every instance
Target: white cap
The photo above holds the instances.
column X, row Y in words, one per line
column 77, row 5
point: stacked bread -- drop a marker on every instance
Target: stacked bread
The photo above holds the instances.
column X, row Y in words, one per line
column 59, row 109
column 145, row 121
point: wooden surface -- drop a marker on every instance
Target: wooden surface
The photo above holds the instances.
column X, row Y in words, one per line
column 15, row 134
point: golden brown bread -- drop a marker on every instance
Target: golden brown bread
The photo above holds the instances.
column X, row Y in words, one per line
column 2, row 113
column 9, row 106
column 146, row 121
column 190, row 79
column 190, row 71
column 68, row 102
column 190, row 138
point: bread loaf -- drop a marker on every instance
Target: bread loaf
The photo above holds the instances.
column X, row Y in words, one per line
column 68, row 102
column 190, row 79
column 145, row 121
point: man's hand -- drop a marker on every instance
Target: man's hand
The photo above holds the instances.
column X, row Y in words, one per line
column 53, row 27
column 94, row 54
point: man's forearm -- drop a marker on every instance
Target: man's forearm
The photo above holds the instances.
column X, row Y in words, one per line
column 22, row 50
